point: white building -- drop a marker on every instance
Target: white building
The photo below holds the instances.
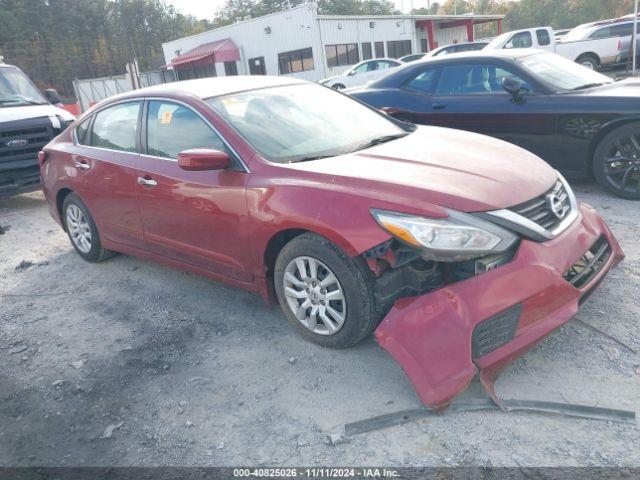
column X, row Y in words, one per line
column 303, row 44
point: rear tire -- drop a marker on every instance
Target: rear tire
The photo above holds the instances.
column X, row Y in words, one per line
column 589, row 61
column 82, row 230
column 616, row 162
column 353, row 287
column 338, row 86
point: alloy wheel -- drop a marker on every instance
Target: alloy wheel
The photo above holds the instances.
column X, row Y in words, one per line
column 314, row 295
column 622, row 164
column 79, row 229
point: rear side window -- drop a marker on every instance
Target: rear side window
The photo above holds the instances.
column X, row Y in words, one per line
column 543, row 37
column 423, row 82
column 116, row 128
column 623, row 30
column 81, row 131
column 172, row 128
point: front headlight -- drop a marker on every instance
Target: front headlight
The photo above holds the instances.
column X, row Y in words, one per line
column 456, row 237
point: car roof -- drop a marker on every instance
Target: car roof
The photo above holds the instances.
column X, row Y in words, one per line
column 388, row 59
column 214, row 86
column 509, row 54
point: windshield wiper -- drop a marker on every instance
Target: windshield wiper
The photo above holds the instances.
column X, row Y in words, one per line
column 311, row 157
column 588, row 85
column 19, row 102
column 379, row 140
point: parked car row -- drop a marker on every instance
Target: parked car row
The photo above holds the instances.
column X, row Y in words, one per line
column 580, row 121
column 593, row 45
column 458, row 250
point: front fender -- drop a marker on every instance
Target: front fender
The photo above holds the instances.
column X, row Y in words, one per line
column 341, row 217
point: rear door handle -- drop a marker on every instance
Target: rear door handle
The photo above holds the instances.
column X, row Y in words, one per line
column 82, row 165
column 438, row 106
column 147, row 182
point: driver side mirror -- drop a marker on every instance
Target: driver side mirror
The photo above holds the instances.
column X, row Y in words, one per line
column 52, row 96
column 515, row 88
column 197, row 159
column 351, row 73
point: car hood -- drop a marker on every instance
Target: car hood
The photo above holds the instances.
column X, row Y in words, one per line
column 324, row 81
column 437, row 166
column 624, row 88
column 10, row 114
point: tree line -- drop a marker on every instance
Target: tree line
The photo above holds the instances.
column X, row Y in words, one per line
column 54, row 41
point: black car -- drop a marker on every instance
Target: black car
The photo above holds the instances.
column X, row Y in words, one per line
column 578, row 120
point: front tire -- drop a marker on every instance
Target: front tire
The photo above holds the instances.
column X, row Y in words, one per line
column 338, row 86
column 82, row 230
column 616, row 161
column 327, row 296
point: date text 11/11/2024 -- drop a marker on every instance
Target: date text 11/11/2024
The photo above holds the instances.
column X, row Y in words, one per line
column 319, row 472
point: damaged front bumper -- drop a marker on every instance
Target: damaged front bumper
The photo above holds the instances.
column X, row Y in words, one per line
column 443, row 338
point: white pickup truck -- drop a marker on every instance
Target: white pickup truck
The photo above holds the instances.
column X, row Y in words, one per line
column 591, row 53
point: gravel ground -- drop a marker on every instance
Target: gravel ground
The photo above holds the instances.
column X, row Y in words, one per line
column 131, row 363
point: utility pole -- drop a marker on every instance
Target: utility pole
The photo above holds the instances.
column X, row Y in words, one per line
column 634, row 39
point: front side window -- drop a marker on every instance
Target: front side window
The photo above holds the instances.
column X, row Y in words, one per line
column 474, row 80
column 302, row 122
column 172, row 128
column 520, row 40
column 116, row 127
column 81, row 131
column 364, row 68
column 339, row 55
column 543, row 37
column 622, row 30
column 296, row 61
column 383, row 65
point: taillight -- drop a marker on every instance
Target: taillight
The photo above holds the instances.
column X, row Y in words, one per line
column 42, row 156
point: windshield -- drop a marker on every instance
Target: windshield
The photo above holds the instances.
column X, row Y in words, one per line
column 16, row 89
column 560, row 73
column 303, row 122
column 499, row 41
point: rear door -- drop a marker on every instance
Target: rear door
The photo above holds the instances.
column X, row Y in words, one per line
column 193, row 217
column 104, row 171
column 471, row 97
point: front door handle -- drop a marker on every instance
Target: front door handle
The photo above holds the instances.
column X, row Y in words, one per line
column 147, row 182
column 82, row 165
column 439, row 106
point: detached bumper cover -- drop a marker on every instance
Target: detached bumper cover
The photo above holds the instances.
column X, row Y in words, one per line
column 431, row 336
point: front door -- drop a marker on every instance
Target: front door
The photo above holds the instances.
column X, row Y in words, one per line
column 256, row 66
column 193, row 217
column 471, row 97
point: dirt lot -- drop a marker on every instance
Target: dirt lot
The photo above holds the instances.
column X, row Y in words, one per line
column 131, row 363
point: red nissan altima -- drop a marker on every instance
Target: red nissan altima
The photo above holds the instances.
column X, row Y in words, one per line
column 460, row 251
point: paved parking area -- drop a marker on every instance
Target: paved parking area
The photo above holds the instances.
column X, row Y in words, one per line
column 131, row 363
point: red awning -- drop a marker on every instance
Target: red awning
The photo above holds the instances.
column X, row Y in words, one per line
column 208, row 53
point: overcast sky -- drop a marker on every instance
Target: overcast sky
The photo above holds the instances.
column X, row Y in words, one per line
column 207, row 8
